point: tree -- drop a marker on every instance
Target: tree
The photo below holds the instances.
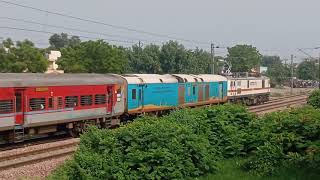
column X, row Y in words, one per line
column 198, row 62
column 307, row 70
column 244, row 58
column 23, row 57
column 58, row 41
column 270, row 60
column 144, row 60
column 277, row 71
column 93, row 57
column 173, row 58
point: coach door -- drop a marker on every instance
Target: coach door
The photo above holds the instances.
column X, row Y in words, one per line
column 19, row 107
column 207, row 92
column 220, row 90
column 181, row 94
column 200, row 92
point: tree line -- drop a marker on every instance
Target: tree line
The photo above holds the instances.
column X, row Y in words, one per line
column 171, row 57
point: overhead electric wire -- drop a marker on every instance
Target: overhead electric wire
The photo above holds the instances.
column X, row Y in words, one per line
column 48, row 32
column 103, row 23
column 75, row 29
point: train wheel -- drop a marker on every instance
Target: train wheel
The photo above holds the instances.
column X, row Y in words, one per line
column 73, row 133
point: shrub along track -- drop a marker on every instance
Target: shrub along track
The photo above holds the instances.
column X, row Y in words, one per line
column 53, row 150
column 279, row 104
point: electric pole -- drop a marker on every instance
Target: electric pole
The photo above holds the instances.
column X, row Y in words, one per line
column 319, row 72
column 212, row 56
column 291, row 89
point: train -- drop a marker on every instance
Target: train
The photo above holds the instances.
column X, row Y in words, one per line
column 34, row 105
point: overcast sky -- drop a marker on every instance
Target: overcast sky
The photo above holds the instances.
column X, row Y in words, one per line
column 273, row 26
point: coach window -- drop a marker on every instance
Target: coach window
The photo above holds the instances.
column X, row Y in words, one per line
column 134, row 94
column 86, row 100
column 71, row 101
column 37, row 104
column 248, row 84
column 194, row 90
column 6, row 106
column 263, row 84
column 238, row 83
column 100, row 99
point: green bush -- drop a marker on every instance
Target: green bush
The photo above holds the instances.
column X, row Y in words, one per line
column 225, row 126
column 145, row 149
column 291, row 137
column 314, row 99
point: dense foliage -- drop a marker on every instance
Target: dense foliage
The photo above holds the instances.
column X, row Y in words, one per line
column 147, row 149
column 171, row 57
column 244, row 57
column 21, row 57
column 225, row 126
column 59, row 41
column 289, row 138
column 307, row 70
column 93, row 57
column 277, row 71
column 190, row 142
column 314, row 99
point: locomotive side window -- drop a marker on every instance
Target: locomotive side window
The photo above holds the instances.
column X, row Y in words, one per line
column 134, row 94
column 37, row 104
column 86, row 100
column 50, row 103
column 71, row 101
column 100, row 99
column 6, row 106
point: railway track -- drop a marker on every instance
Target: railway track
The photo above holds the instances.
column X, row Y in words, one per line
column 33, row 142
column 30, row 156
column 279, row 104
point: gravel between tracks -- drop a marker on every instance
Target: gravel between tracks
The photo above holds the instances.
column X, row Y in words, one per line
column 35, row 147
column 34, row 171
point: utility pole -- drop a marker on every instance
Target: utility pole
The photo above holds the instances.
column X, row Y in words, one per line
column 212, row 56
column 291, row 89
column 319, row 72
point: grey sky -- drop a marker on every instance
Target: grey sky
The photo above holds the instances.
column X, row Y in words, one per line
column 274, row 26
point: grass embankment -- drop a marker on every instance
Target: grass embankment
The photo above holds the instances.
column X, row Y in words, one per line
column 231, row 169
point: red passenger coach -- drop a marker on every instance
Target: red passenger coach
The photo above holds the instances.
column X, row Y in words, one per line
column 37, row 104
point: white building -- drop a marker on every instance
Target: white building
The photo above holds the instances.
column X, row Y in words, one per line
column 52, row 58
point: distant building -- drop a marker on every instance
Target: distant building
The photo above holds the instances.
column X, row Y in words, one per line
column 52, row 59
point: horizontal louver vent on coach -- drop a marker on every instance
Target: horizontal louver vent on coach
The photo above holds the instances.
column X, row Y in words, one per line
column 71, row 101
column 86, row 100
column 6, row 106
column 100, row 99
column 37, row 104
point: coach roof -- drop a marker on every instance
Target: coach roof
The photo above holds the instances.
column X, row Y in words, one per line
column 211, row 77
column 38, row 79
column 149, row 78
